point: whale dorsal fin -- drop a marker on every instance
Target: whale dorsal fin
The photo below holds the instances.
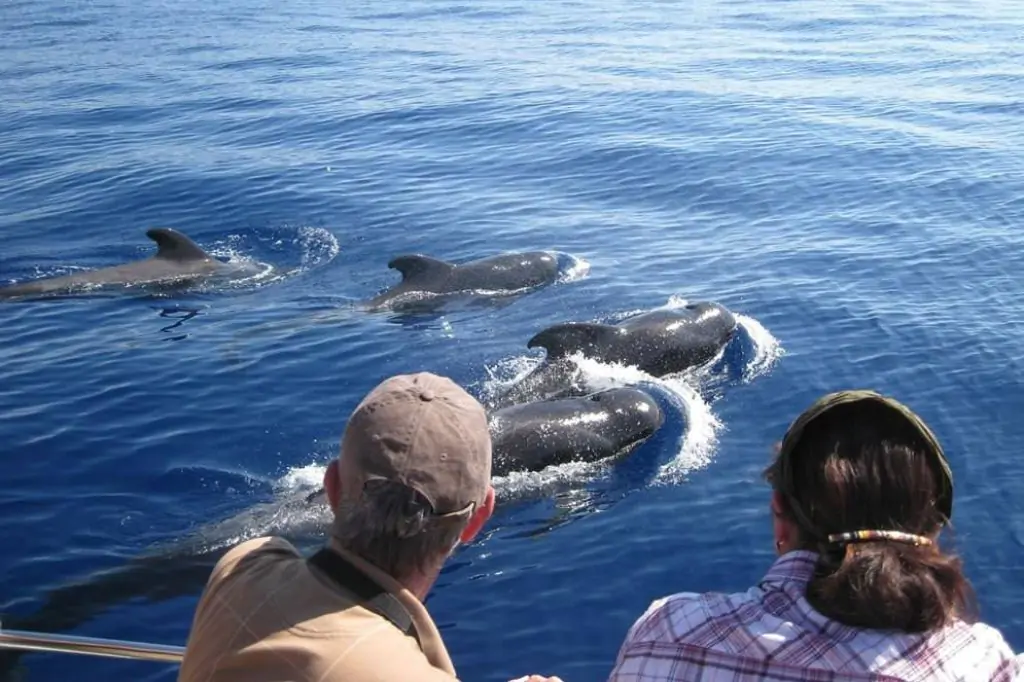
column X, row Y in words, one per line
column 173, row 245
column 565, row 339
column 416, row 265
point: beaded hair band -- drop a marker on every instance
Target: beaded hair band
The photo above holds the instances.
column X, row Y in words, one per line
column 869, row 535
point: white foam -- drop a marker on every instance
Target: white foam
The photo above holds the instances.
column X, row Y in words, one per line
column 308, row 477
column 317, row 246
column 507, row 372
column 767, row 349
column 579, row 268
column 228, row 250
column 552, row 479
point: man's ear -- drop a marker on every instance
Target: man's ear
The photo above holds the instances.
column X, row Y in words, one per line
column 479, row 518
column 332, row 484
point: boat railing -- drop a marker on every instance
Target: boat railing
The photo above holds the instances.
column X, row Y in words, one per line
column 89, row 646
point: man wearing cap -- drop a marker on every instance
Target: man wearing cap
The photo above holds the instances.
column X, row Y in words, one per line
column 412, row 482
column 860, row 590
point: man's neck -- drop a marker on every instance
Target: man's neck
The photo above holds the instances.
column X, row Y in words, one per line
column 418, row 584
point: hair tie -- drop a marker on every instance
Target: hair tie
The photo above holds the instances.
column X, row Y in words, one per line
column 869, row 535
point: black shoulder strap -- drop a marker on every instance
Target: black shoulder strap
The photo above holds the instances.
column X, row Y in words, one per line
column 376, row 598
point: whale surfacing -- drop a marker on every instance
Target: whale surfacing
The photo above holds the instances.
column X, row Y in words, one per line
column 178, row 261
column 598, row 426
column 658, row 342
column 427, row 282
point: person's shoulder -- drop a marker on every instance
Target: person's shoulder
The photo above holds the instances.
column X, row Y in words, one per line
column 991, row 637
column 252, row 549
column 656, row 623
column 980, row 649
column 379, row 653
column 680, row 612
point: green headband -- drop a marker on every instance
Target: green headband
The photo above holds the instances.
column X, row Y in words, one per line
column 944, row 502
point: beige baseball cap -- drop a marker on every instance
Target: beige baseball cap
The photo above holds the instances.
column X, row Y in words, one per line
column 426, row 432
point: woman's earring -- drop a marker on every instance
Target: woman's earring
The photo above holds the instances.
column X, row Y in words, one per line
column 778, row 546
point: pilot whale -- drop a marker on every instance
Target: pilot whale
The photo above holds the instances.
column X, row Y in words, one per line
column 178, row 261
column 604, row 425
column 598, row 426
column 658, row 342
column 427, row 282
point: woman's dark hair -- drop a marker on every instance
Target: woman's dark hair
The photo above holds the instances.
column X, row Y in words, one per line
column 864, row 465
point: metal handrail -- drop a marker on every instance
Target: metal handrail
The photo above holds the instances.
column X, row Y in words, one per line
column 90, row 646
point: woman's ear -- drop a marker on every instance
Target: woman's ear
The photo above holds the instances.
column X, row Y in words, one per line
column 787, row 538
column 776, row 504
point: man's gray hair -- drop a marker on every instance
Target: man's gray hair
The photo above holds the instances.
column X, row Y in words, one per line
column 392, row 526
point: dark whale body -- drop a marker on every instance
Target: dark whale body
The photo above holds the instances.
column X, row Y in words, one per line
column 427, row 282
column 599, row 426
column 658, row 342
column 178, row 262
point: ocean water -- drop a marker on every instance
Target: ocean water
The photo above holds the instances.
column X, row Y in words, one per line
column 845, row 176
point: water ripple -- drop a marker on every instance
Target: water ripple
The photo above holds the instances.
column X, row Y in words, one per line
column 847, row 175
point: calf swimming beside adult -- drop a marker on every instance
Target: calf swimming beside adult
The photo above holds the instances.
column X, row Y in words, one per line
column 426, row 281
column 658, row 342
column 178, row 261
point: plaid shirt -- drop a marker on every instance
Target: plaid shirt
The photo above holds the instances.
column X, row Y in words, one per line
column 771, row 633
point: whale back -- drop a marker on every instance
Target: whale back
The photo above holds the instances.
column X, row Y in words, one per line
column 562, row 340
column 174, row 246
column 704, row 319
column 508, row 271
column 520, row 449
column 597, row 426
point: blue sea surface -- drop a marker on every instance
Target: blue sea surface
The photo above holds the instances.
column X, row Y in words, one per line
column 846, row 176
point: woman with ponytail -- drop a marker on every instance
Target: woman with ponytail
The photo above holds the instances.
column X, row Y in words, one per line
column 861, row 589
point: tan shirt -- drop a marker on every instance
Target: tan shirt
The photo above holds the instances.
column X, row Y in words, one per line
column 267, row 616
